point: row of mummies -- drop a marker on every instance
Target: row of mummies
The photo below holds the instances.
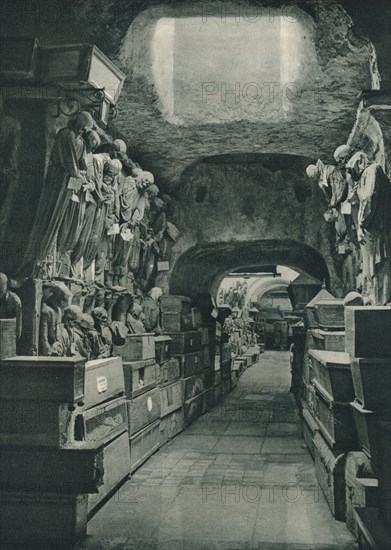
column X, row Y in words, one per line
column 99, row 213
column 358, row 193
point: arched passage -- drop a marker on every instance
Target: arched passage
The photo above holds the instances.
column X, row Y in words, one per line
column 202, row 268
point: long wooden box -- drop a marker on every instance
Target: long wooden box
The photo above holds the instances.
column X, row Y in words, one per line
column 140, row 376
column 56, row 379
column 335, row 421
column 170, row 371
column 193, row 409
column 330, row 473
column 171, row 425
column 175, row 304
column 366, row 425
column 332, row 371
column 361, row 487
column 42, row 519
column 36, row 423
column 104, row 379
column 76, row 63
column 162, row 348
column 372, row 383
column 19, row 59
column 194, row 385
column 328, row 340
column 190, row 363
column 7, row 338
column 76, row 469
column 310, row 428
column 330, row 314
column 204, row 335
column 106, row 420
column 137, row 347
column 171, row 398
column 368, row 331
column 177, row 322
column 116, row 468
column 143, row 410
column 185, row 342
column 143, row 444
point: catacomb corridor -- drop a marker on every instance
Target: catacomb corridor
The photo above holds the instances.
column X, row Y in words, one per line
column 195, row 274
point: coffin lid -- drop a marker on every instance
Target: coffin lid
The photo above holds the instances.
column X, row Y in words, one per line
column 322, row 295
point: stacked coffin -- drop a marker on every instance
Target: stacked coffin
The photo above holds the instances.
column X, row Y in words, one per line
column 368, row 343
column 170, row 389
column 55, row 445
column 328, row 388
column 186, row 347
column 142, row 396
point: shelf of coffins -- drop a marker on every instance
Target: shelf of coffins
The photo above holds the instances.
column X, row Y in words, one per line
column 63, row 424
column 368, row 337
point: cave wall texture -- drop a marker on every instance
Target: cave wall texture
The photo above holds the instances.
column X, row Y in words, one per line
column 236, row 175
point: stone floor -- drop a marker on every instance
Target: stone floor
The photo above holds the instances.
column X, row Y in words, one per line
column 239, row 478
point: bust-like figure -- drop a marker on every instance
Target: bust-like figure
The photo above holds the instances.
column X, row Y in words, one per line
column 56, row 299
column 10, row 305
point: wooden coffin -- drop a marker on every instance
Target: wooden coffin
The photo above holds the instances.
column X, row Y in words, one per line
column 366, row 422
column 335, row 420
column 170, row 371
column 190, row 363
column 177, row 322
column 143, row 410
column 193, row 409
column 383, row 467
column 76, row 469
column 162, row 348
column 116, row 469
column 310, row 428
column 361, row 487
column 330, row 473
column 56, row 379
column 185, row 342
column 238, row 366
column 331, row 370
column 140, row 376
column 42, row 519
column 36, row 423
column 104, row 421
column 137, row 347
column 175, row 304
column 143, row 444
column 330, row 314
column 372, row 533
column 328, row 340
column 196, row 317
column 20, row 59
column 171, row 425
column 171, row 398
column 7, row 338
column 368, row 331
column 372, row 383
column 81, row 63
column 194, row 385
column 204, row 335
column 104, row 379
